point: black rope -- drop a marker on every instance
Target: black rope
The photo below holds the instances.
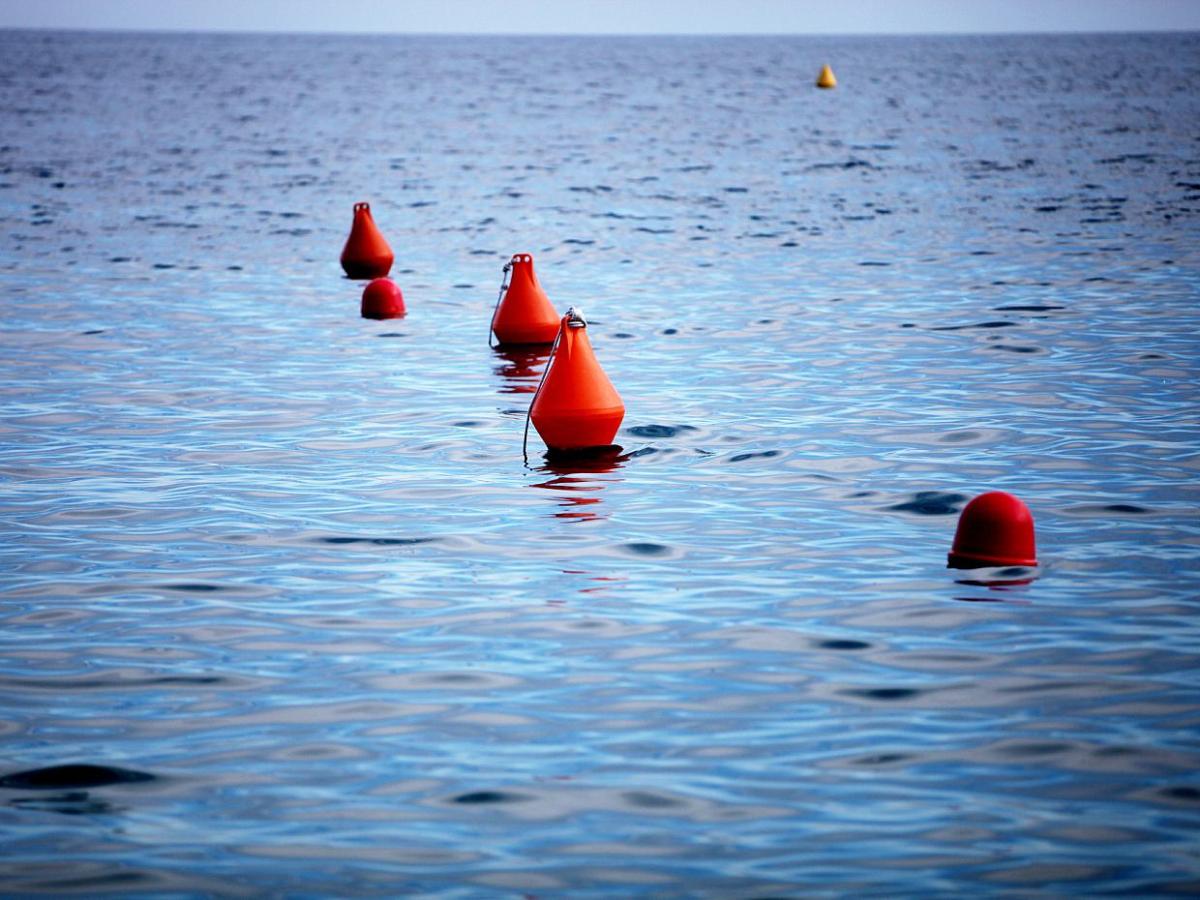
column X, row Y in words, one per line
column 503, row 287
column 545, row 372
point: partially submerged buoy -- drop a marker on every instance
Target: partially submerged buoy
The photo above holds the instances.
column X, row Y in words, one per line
column 576, row 407
column 381, row 299
column 826, row 79
column 994, row 529
column 366, row 254
column 523, row 314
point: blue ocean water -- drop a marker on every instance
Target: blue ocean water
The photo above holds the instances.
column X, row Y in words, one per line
column 283, row 610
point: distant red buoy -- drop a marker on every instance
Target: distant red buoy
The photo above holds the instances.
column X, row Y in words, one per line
column 366, row 254
column 381, row 299
column 576, row 407
column 995, row 529
column 524, row 315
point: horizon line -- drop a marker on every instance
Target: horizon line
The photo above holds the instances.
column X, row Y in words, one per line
column 102, row 29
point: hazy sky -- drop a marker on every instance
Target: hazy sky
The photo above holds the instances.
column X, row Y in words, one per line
column 608, row 16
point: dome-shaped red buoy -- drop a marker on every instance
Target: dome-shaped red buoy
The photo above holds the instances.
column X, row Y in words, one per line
column 366, row 254
column 576, row 407
column 381, row 299
column 524, row 315
column 995, row 529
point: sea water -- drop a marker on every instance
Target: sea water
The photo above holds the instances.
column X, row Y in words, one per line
column 286, row 604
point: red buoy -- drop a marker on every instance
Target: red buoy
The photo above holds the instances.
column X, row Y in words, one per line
column 524, row 315
column 366, row 254
column 381, row 299
column 995, row 529
column 576, row 407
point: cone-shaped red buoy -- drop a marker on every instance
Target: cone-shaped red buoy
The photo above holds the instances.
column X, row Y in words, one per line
column 995, row 529
column 524, row 314
column 576, row 407
column 366, row 254
column 381, row 299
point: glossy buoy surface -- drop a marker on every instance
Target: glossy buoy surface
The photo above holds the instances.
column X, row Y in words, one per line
column 826, row 79
column 366, row 254
column 524, row 314
column 577, row 408
column 994, row 529
column 382, row 299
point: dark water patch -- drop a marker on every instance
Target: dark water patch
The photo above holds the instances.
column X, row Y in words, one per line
column 649, row 800
column 89, row 884
column 670, row 331
column 72, row 775
column 94, row 331
column 890, row 694
column 762, row 454
column 647, row 548
column 846, row 164
column 195, row 587
column 622, row 335
column 999, row 323
column 391, row 334
column 71, row 803
column 120, row 259
column 1184, row 794
column 959, row 437
column 100, row 682
column 1015, row 348
column 488, row 798
column 931, row 503
column 874, row 262
column 377, row 541
column 659, row 431
column 163, row 266
column 467, row 423
column 1031, row 307
column 1126, row 157
column 882, row 759
column 1103, row 510
column 464, row 286
column 843, row 644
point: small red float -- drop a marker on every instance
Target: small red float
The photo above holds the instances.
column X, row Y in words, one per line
column 994, row 529
column 381, row 299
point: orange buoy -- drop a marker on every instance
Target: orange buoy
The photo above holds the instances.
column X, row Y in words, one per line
column 576, row 407
column 826, row 79
column 994, row 529
column 523, row 313
column 366, row 254
column 381, row 299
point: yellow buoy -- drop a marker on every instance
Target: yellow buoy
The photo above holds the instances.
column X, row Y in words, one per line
column 826, row 79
